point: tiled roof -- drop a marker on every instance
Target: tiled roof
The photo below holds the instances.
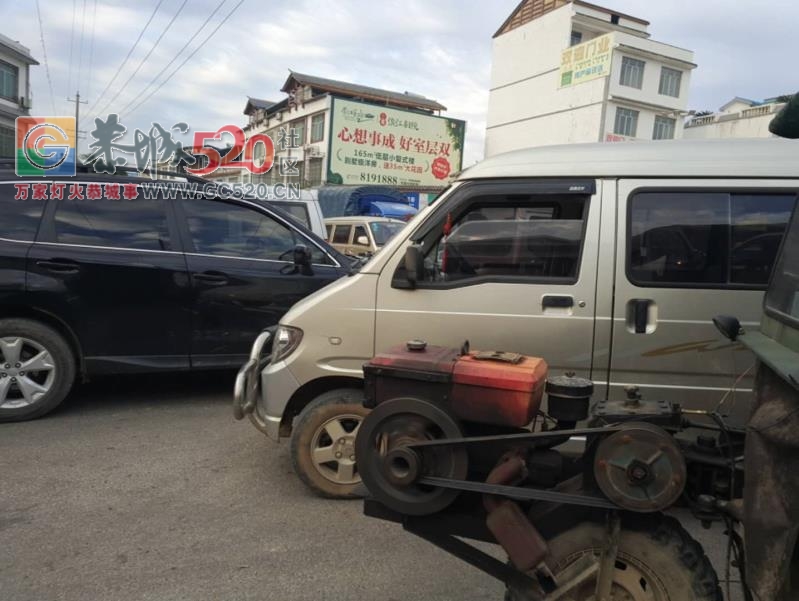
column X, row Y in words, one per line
column 333, row 86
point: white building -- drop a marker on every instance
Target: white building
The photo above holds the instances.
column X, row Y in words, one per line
column 739, row 118
column 306, row 113
column 567, row 72
column 15, row 96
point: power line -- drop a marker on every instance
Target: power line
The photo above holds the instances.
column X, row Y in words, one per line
column 144, row 59
column 188, row 58
column 71, row 44
column 91, row 50
column 174, row 58
column 80, row 45
column 125, row 60
column 44, row 53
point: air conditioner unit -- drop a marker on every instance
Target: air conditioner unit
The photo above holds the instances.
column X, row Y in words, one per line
column 25, row 102
column 313, row 151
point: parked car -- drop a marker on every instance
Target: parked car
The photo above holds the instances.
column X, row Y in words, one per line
column 548, row 253
column 361, row 236
column 305, row 209
column 107, row 286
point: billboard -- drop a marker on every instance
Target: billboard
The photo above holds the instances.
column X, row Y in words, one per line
column 586, row 61
column 374, row 144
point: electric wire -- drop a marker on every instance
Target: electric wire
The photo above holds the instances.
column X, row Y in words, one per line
column 91, row 51
column 80, row 45
column 188, row 58
column 127, row 57
column 44, row 54
column 71, row 44
column 174, row 58
column 144, row 59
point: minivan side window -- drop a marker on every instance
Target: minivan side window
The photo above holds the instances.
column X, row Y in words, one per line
column 19, row 218
column 520, row 236
column 782, row 298
column 705, row 239
column 360, row 231
column 341, row 235
column 139, row 224
column 231, row 230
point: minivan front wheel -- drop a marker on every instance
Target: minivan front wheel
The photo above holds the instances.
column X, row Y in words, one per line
column 37, row 369
column 323, row 443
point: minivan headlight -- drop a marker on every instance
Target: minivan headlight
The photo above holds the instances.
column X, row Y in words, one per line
column 287, row 339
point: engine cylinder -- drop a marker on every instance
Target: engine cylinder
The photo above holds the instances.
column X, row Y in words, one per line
column 569, row 398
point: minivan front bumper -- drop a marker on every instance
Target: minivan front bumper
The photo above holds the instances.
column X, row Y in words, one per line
column 247, row 389
column 259, row 395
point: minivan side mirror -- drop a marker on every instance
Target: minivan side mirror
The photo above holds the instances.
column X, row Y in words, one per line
column 414, row 264
column 302, row 259
column 362, row 240
column 728, row 325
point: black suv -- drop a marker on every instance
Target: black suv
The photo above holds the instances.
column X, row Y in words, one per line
column 97, row 277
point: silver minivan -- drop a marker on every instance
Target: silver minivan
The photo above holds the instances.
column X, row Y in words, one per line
column 609, row 260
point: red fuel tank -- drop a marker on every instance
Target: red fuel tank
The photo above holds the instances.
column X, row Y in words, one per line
column 498, row 388
column 488, row 387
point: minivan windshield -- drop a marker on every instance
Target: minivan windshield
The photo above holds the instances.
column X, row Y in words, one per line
column 383, row 231
column 782, row 298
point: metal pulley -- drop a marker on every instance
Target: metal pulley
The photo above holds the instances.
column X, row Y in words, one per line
column 390, row 468
column 640, row 468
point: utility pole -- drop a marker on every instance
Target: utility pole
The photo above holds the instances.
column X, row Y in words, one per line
column 77, row 102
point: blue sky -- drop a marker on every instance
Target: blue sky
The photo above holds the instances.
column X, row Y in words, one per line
column 440, row 49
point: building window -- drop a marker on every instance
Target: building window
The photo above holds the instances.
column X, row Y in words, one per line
column 6, row 142
column 315, row 172
column 577, row 37
column 670, row 82
column 299, row 132
column 317, row 128
column 9, row 77
column 626, row 122
column 632, row 72
column 664, row 128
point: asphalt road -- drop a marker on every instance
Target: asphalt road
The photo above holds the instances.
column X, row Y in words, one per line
column 146, row 489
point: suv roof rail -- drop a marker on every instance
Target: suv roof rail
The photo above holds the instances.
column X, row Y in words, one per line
column 8, row 163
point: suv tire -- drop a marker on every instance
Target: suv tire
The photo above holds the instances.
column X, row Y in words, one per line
column 28, row 394
column 323, row 443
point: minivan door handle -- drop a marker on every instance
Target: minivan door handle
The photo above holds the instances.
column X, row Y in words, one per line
column 59, row 265
column 212, row 278
column 639, row 315
column 557, row 301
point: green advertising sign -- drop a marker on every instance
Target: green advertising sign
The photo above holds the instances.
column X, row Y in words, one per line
column 374, row 144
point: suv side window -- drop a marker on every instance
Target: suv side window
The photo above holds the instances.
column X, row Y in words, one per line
column 537, row 237
column 19, row 219
column 698, row 238
column 139, row 224
column 227, row 229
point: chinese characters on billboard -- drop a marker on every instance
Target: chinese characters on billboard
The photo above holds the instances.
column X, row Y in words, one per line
column 586, row 61
column 373, row 144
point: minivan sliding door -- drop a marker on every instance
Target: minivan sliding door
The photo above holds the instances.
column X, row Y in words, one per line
column 690, row 250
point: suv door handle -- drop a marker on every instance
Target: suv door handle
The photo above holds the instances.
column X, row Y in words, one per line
column 213, row 278
column 59, row 265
